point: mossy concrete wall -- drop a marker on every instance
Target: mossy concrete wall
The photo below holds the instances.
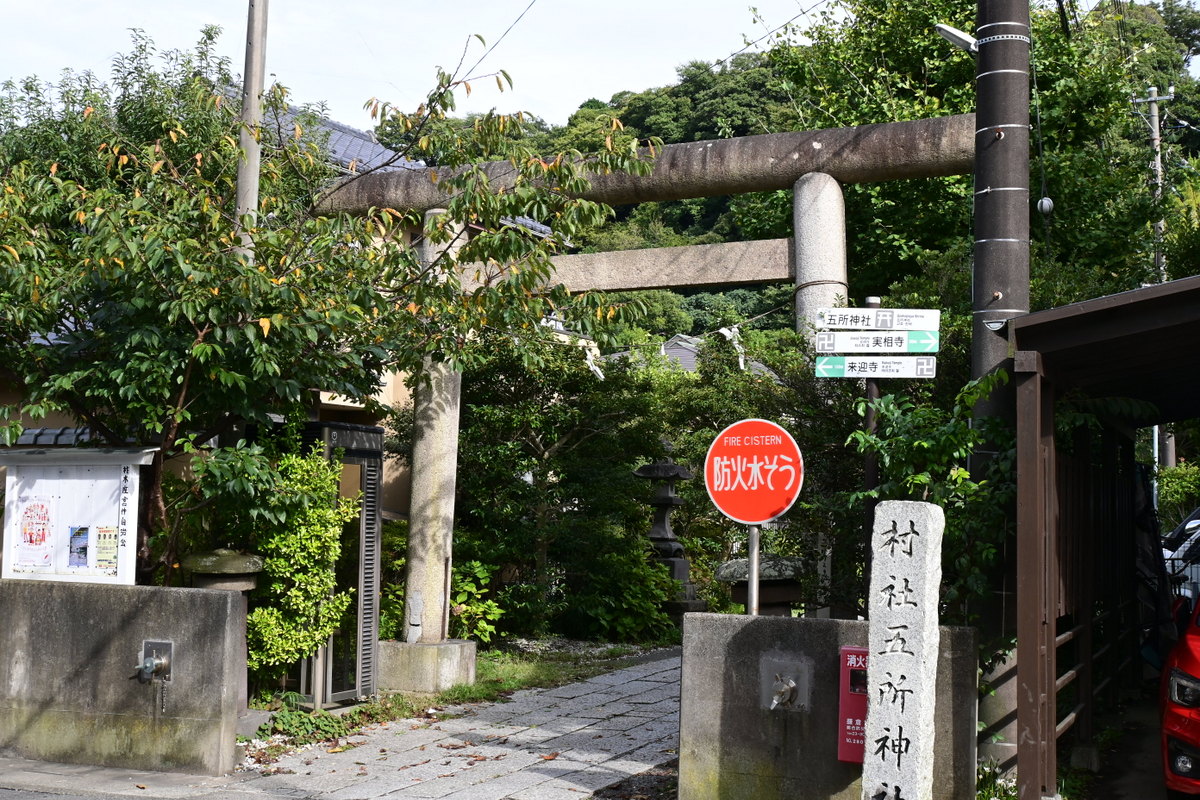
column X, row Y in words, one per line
column 733, row 747
column 67, row 691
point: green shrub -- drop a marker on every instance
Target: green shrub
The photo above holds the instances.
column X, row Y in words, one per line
column 1178, row 493
column 473, row 613
column 304, row 727
column 547, row 498
column 531, row 607
column 297, row 605
column 392, row 557
column 391, row 612
column 472, row 616
column 923, row 451
column 992, row 783
column 621, row 600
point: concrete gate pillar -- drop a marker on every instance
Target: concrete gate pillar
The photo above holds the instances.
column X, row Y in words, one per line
column 819, row 222
column 426, row 661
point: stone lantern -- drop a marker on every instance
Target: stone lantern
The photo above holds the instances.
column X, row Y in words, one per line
column 669, row 551
column 223, row 569
column 779, row 583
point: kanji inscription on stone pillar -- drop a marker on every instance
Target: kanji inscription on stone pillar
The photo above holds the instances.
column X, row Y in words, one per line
column 906, row 575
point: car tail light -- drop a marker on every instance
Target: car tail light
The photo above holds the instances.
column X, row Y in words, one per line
column 1184, row 689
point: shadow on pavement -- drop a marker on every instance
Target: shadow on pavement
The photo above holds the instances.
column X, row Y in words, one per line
column 1131, row 768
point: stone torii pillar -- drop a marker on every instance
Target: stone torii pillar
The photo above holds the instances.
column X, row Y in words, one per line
column 426, row 660
column 428, row 561
column 819, row 247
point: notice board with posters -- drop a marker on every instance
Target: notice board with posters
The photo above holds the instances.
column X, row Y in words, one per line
column 71, row 515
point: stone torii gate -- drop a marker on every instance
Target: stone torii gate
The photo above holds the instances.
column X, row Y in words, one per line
column 812, row 163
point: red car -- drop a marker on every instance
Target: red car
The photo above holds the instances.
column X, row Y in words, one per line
column 1180, row 702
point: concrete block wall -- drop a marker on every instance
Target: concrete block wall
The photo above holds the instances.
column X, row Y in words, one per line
column 426, row 668
column 66, row 688
column 732, row 747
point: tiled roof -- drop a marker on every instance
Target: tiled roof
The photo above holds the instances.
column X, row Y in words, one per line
column 351, row 149
column 684, row 350
column 358, row 151
column 680, row 348
column 350, row 146
column 53, row 437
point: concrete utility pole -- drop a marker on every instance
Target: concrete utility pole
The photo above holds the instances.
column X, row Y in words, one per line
column 1152, row 99
column 1000, row 288
column 1164, row 441
column 248, row 137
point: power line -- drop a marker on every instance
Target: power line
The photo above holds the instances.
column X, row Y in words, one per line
column 1041, row 154
column 657, row 345
column 507, row 30
column 1183, row 123
column 772, row 32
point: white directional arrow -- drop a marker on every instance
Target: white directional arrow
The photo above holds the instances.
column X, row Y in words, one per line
column 923, row 341
column 831, row 367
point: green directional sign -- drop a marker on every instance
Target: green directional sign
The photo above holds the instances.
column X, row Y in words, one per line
column 923, row 341
column 876, row 367
column 877, row 341
column 831, row 366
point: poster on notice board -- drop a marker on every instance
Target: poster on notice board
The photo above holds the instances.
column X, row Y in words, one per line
column 70, row 521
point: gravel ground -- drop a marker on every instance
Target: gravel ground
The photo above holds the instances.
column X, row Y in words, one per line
column 557, row 644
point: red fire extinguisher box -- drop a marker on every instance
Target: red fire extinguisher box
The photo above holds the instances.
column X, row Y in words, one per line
column 852, row 704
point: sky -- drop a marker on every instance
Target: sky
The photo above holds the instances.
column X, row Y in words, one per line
column 559, row 53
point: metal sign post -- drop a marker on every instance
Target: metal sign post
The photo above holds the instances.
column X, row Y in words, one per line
column 752, row 545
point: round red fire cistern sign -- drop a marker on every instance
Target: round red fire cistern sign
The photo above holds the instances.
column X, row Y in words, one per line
column 753, row 471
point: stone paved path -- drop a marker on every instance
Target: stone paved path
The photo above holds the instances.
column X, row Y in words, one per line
column 544, row 744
